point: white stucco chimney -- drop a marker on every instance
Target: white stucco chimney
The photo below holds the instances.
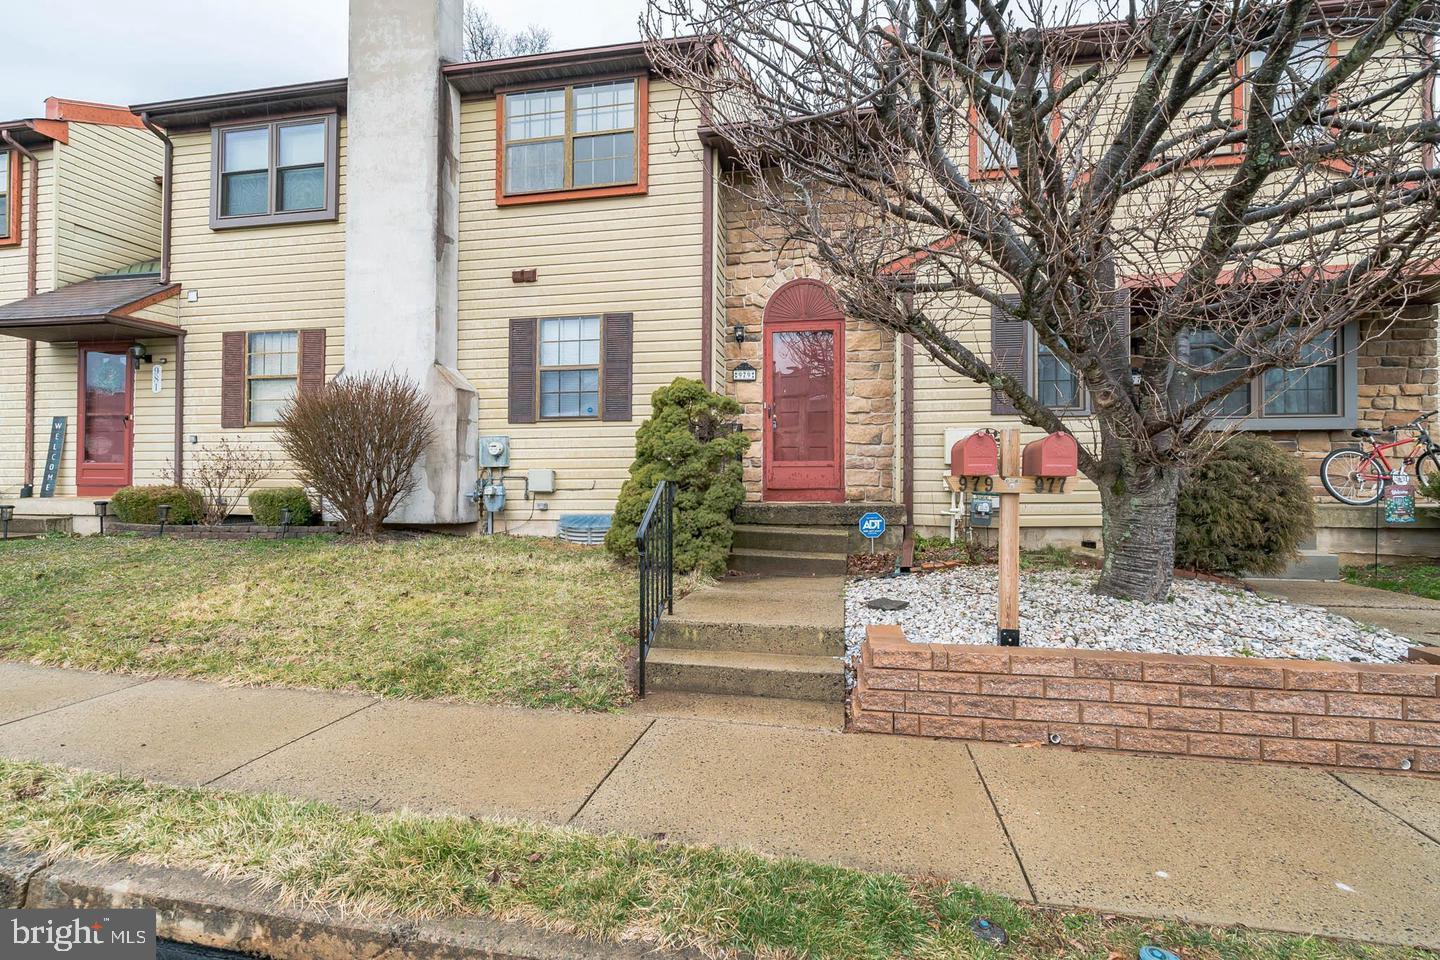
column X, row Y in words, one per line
column 401, row 229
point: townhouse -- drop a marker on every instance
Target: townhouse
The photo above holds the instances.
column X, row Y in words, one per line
column 540, row 242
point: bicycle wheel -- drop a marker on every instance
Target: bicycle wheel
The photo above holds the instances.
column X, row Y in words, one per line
column 1425, row 468
column 1353, row 477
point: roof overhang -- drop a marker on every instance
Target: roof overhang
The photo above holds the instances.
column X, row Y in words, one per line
column 484, row 77
column 90, row 310
column 35, row 134
column 197, row 112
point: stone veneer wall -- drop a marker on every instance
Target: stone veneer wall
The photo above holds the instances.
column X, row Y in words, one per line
column 756, row 266
column 1359, row 716
column 1396, row 370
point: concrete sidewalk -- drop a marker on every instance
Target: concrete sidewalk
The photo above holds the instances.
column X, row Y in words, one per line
column 1287, row 849
column 1415, row 618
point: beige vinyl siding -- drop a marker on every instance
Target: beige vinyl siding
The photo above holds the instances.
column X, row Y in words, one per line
column 108, row 201
column 638, row 254
column 13, row 278
column 153, row 450
column 285, row 277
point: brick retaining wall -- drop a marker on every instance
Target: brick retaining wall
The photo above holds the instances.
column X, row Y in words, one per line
column 1361, row 716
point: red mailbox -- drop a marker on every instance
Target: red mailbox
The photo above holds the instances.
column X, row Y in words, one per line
column 1054, row 456
column 975, row 455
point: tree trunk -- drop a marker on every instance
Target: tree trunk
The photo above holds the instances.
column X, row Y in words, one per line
column 1139, row 534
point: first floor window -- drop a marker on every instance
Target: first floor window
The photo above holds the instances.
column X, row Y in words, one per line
column 1313, row 389
column 272, row 369
column 1056, row 385
column 570, row 367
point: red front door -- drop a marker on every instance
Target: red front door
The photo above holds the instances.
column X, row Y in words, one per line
column 106, row 409
column 805, row 399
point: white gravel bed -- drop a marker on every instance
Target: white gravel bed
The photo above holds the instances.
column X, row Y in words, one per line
column 1057, row 609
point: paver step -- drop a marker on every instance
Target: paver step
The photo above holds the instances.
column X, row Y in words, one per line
column 765, row 711
column 1312, row 565
column 735, row 673
column 786, row 563
column 682, row 633
column 766, row 536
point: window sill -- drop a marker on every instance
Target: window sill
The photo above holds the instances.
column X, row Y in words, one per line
column 553, row 196
column 10, row 241
column 1283, row 424
column 273, row 220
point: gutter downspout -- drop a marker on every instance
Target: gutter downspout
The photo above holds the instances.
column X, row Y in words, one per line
column 907, row 420
column 166, row 201
column 32, row 287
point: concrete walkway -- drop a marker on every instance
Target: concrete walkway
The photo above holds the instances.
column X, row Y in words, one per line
column 1415, row 618
column 1286, row 849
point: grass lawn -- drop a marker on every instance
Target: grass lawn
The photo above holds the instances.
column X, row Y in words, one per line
column 504, row 620
column 1416, row 579
column 610, row 887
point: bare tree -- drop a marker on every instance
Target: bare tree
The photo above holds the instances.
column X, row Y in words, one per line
column 223, row 473
column 1240, row 180
column 356, row 441
column 484, row 39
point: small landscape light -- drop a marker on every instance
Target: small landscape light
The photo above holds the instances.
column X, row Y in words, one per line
column 102, row 508
column 284, row 521
column 1405, row 764
column 164, row 510
column 1055, row 739
column 7, row 510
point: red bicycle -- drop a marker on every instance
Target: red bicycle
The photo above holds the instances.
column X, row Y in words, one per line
column 1359, row 477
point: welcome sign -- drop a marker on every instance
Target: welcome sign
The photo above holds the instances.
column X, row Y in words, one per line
column 52, row 456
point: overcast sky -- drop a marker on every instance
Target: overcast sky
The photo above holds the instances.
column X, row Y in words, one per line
column 134, row 51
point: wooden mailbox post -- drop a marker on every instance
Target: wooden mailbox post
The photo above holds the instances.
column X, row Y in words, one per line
column 1044, row 466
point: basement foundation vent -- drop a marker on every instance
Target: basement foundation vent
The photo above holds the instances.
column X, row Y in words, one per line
column 584, row 528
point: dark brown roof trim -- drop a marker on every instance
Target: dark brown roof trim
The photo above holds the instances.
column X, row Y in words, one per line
column 265, row 101
column 483, row 77
column 32, row 134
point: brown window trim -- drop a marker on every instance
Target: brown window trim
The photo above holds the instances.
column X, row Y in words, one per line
column 541, row 369
column 251, row 378
column 978, row 171
column 642, row 143
column 11, row 236
column 330, row 211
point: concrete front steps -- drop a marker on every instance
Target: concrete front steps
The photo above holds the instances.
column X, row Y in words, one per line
column 755, row 642
column 805, row 539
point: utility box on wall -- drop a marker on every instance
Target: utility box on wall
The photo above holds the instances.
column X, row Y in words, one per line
column 494, row 453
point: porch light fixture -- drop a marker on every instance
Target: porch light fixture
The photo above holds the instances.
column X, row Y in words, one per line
column 140, row 355
column 102, row 508
column 739, row 333
column 7, row 510
column 164, row 510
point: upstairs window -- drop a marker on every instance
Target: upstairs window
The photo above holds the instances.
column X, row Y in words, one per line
column 9, row 208
column 994, row 152
column 282, row 171
column 577, row 140
column 1308, row 60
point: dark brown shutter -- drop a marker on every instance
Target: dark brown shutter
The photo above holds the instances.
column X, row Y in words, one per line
column 312, row 359
column 617, row 352
column 522, row 370
column 1120, row 321
column 1007, row 354
column 232, row 381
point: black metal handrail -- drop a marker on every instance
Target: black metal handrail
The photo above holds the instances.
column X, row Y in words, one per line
column 655, row 541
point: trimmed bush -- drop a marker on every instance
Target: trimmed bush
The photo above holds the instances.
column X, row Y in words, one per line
column 265, row 506
column 138, row 504
column 686, row 440
column 1245, row 509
